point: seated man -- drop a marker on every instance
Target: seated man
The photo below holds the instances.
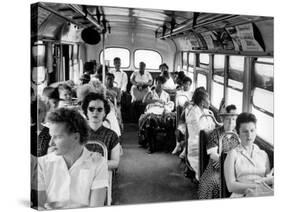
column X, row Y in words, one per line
column 141, row 80
column 70, row 176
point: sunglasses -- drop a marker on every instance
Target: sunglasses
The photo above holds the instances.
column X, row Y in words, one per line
column 92, row 109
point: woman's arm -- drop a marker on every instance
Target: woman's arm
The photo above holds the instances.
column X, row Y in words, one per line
column 133, row 81
column 229, row 174
column 113, row 163
column 97, row 197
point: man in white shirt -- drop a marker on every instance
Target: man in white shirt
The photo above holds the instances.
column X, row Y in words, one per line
column 70, row 176
column 141, row 80
column 120, row 77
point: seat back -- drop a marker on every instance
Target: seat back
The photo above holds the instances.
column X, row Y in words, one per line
column 203, row 156
column 98, row 146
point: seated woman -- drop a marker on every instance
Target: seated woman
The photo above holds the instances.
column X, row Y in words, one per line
column 157, row 94
column 183, row 97
column 95, row 108
column 210, row 181
column 169, row 82
column 141, row 80
column 195, row 123
column 246, row 167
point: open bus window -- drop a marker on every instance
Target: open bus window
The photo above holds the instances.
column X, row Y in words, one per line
column 111, row 53
column 151, row 58
column 202, row 80
column 219, row 62
column 264, row 125
column 236, row 62
column 184, row 61
column 217, row 94
column 191, row 59
column 262, row 101
column 204, row 60
column 235, row 97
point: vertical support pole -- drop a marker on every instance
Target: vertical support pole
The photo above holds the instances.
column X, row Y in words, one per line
column 103, row 59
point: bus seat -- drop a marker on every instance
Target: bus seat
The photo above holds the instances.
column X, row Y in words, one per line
column 203, row 156
column 98, row 146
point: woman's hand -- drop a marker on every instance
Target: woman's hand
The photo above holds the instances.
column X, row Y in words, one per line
column 215, row 157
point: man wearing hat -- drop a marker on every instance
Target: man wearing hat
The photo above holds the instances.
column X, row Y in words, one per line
column 210, row 181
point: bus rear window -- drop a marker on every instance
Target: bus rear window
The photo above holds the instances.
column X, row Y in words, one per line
column 111, row 53
column 151, row 58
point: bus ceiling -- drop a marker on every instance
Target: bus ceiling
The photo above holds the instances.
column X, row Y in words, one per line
column 61, row 22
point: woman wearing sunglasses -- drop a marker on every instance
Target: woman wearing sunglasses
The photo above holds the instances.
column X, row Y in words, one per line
column 95, row 108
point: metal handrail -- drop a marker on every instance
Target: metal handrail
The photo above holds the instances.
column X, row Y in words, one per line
column 211, row 114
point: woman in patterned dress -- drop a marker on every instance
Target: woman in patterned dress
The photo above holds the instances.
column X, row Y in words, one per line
column 210, row 182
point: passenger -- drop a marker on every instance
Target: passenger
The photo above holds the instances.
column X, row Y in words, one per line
column 84, row 79
column 247, row 167
column 98, row 74
column 157, row 94
column 114, row 93
column 97, row 87
column 169, row 82
column 183, row 97
column 96, row 107
column 111, row 91
column 141, row 81
column 210, row 181
column 51, row 97
column 195, row 124
column 90, row 67
column 65, row 95
column 181, row 75
column 120, row 77
column 70, row 176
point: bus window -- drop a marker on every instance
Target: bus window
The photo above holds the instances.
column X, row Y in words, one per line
column 219, row 62
column 236, row 62
column 184, row 61
column 111, row 53
column 202, row 80
column 217, row 90
column 264, row 125
column 191, row 58
column 235, row 82
column 151, row 58
column 235, row 97
column 262, row 101
column 204, row 60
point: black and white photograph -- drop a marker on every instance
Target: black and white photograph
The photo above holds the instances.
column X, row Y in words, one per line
column 146, row 105
column 134, row 105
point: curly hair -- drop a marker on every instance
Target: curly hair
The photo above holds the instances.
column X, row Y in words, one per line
column 245, row 118
column 73, row 120
column 92, row 97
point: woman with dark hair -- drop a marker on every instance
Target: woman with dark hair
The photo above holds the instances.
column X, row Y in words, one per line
column 210, row 181
column 194, row 124
column 247, row 167
column 169, row 82
column 95, row 108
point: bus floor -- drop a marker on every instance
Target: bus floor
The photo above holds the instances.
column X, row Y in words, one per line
column 148, row 178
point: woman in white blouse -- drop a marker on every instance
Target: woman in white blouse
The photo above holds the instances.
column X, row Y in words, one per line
column 247, row 168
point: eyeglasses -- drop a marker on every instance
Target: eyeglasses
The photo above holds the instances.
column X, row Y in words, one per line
column 92, row 109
